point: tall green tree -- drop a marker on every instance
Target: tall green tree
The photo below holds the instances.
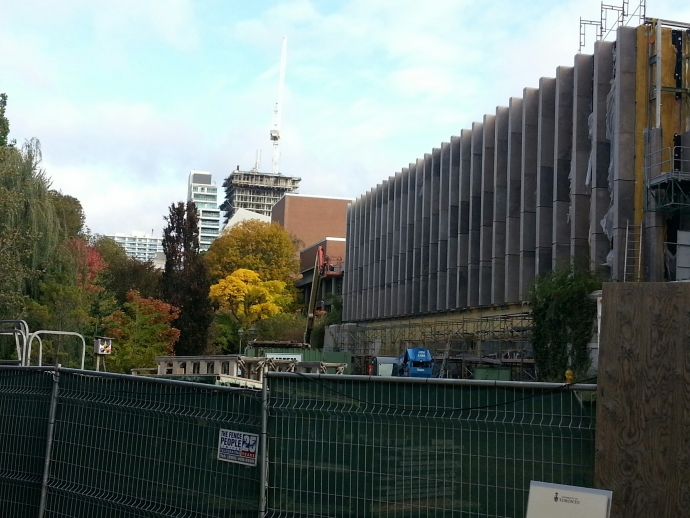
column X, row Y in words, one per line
column 564, row 316
column 33, row 214
column 69, row 212
column 184, row 282
column 29, row 229
column 4, row 123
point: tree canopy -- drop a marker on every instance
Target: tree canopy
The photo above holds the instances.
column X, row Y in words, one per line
column 184, row 282
column 142, row 330
column 264, row 248
column 564, row 318
column 249, row 299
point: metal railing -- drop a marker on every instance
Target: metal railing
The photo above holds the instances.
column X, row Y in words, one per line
column 667, row 180
column 673, row 161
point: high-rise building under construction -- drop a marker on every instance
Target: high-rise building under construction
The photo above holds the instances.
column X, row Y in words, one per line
column 255, row 191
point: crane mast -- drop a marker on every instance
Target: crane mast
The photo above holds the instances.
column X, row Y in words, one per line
column 275, row 132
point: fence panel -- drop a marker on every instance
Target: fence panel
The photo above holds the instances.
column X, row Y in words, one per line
column 24, row 405
column 125, row 447
column 339, row 446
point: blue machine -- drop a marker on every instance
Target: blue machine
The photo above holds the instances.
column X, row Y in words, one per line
column 416, row 363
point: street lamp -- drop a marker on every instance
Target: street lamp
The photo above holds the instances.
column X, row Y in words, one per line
column 240, row 333
column 252, row 332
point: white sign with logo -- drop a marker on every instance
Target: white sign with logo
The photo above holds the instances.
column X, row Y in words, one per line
column 555, row 500
column 238, row 447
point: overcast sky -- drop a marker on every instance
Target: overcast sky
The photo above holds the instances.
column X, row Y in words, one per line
column 128, row 96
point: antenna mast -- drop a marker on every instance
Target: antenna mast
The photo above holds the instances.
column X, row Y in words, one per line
column 275, row 132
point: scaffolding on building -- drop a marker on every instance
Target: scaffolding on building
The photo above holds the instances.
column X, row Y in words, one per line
column 464, row 343
column 667, row 178
column 255, row 191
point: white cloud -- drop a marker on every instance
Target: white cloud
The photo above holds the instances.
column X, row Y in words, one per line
column 370, row 87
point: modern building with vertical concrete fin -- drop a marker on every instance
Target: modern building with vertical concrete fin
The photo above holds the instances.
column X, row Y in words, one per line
column 590, row 170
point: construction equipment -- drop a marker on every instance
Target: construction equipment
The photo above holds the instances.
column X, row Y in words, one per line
column 319, row 270
column 416, row 363
column 324, row 266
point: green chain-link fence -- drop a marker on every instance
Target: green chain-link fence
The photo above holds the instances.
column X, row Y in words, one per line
column 343, row 446
column 125, row 446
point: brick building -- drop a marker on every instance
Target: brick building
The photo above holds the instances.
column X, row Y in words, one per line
column 316, row 221
column 311, row 218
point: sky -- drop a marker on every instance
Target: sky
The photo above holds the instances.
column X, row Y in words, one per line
column 127, row 97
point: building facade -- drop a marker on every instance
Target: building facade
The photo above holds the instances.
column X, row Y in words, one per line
column 255, row 191
column 139, row 245
column 311, row 218
column 204, row 194
column 591, row 169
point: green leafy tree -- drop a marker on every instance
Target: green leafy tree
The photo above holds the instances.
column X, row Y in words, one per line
column 30, row 210
column 4, row 123
column 69, row 212
column 184, row 283
column 142, row 329
column 282, row 327
column 124, row 273
column 70, row 298
column 334, row 316
column 564, row 316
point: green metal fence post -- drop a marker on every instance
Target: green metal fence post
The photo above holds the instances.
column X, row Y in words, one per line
column 263, row 454
column 49, row 442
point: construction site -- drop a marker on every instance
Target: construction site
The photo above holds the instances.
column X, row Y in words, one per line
column 590, row 170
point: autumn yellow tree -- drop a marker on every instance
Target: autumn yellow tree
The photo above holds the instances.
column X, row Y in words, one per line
column 265, row 248
column 249, row 299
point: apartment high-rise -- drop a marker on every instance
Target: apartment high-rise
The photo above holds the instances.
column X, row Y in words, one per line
column 139, row 245
column 204, row 194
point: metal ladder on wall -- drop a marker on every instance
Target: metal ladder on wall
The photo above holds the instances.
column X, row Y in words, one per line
column 633, row 250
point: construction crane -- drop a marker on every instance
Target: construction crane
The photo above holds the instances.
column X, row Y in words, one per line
column 275, row 132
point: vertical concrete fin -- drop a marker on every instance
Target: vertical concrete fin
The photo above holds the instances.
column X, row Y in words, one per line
column 487, row 209
column 528, row 192
column 464, row 216
column 444, row 205
column 453, row 222
column 434, row 209
column 475, row 214
column 545, row 174
column 579, row 167
column 563, row 149
column 410, row 239
column 599, row 244
column 514, row 188
column 426, row 233
column 417, row 227
column 498, row 249
column 623, row 146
